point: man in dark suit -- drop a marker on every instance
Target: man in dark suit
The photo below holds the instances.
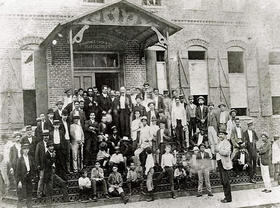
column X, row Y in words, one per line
column 25, row 174
column 70, row 107
column 41, row 126
column 115, row 109
column 158, row 100
column 91, row 132
column 41, row 149
column 15, row 154
column 50, row 176
column 201, row 113
column 125, row 108
column 65, row 127
column 139, row 107
column 49, row 121
column 104, row 101
column 91, row 105
column 58, row 112
column 250, row 139
column 31, row 140
column 152, row 113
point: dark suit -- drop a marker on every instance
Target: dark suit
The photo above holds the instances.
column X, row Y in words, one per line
column 265, row 153
column 104, row 103
column 25, row 177
column 49, row 124
column 115, row 113
column 32, row 145
column 91, row 148
column 200, row 116
column 69, row 108
column 149, row 116
column 160, row 104
column 39, row 130
column 158, row 145
column 91, row 106
column 13, row 157
column 124, row 119
column 39, row 161
column 57, row 116
column 252, row 149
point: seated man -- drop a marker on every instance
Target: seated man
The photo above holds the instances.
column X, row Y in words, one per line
column 97, row 177
column 118, row 159
column 115, row 183
column 84, row 185
column 134, row 177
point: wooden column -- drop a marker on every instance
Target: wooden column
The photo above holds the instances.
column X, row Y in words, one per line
column 71, row 53
column 167, row 62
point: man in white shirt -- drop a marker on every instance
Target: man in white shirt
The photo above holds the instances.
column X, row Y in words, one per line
column 125, row 108
column 84, row 185
column 167, row 163
column 231, row 123
column 178, row 112
column 118, row 159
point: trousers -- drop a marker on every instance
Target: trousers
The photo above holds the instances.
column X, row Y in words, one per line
column 225, row 181
column 266, row 176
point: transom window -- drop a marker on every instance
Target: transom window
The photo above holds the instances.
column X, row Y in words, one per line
column 96, row 60
column 151, row 2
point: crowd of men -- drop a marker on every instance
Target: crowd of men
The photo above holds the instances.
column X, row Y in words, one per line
column 129, row 134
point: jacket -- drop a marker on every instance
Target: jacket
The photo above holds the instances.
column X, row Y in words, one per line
column 22, row 171
column 264, row 152
column 39, row 155
column 115, row 179
column 234, row 138
column 212, row 120
column 104, row 103
column 49, row 165
column 224, row 148
column 32, row 145
column 251, row 147
column 201, row 115
column 206, row 156
column 13, row 157
column 166, row 137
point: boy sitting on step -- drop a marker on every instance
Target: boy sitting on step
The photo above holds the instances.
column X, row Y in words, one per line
column 84, row 185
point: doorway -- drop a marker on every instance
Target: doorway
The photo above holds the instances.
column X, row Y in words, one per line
column 109, row 79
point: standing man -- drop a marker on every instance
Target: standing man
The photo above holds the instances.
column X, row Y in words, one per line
column 78, row 112
column 158, row 100
column 104, row 102
column 223, row 151
column 223, row 116
column 152, row 113
column 49, row 121
column 31, row 140
column 251, row 139
column 66, row 131
column 68, row 97
column 91, row 105
column 231, row 122
column 212, row 123
column 25, row 174
column 178, row 113
column 201, row 113
column 41, row 126
column 125, row 108
column 58, row 112
column 191, row 116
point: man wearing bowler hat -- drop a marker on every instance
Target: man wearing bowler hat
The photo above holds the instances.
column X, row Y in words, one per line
column 201, row 113
column 25, row 174
column 250, row 138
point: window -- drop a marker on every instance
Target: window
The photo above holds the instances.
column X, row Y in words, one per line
column 160, row 56
column 96, row 60
column 152, row 2
column 276, row 105
column 196, row 55
column 235, row 62
column 94, row 1
column 274, row 58
column 241, row 111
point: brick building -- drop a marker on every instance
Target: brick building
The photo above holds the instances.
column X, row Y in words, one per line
column 225, row 50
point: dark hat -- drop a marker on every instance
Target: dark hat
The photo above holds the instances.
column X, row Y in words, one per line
column 67, row 90
column 28, row 127
column 138, row 96
column 64, row 112
column 155, row 88
column 162, row 121
column 165, row 92
column 59, row 102
column 80, row 89
column 211, row 104
column 201, row 97
column 115, row 166
column 151, row 103
column 222, row 104
column 38, row 119
column 56, row 122
column 76, row 117
column 154, row 118
column 181, row 96
column 250, row 123
column 24, row 146
column 202, row 144
column 160, row 111
column 45, row 133
column 276, row 137
column 149, row 150
column 231, row 111
column 50, row 110
column 223, row 131
column 144, row 118
column 146, row 83
column 190, row 97
column 49, row 143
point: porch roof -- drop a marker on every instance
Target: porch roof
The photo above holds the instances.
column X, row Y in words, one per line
column 120, row 17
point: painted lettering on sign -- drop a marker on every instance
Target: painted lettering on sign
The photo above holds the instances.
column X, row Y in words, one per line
column 94, row 44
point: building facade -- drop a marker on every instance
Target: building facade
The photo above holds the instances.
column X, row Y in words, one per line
column 226, row 51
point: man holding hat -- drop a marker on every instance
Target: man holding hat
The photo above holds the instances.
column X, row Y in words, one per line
column 223, row 151
column 201, row 113
column 191, row 116
column 25, row 174
column 31, row 140
column 41, row 149
column 250, row 138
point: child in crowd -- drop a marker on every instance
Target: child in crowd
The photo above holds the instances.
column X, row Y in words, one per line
column 134, row 177
column 97, row 177
column 118, row 159
column 115, row 183
column 84, row 185
column 103, row 156
column 180, row 176
column 135, row 129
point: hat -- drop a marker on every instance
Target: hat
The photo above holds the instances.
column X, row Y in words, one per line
column 80, row 89
column 38, row 119
column 125, row 138
column 114, row 128
column 149, row 150
column 276, row 137
column 56, row 122
column 211, row 104
column 45, row 133
column 162, row 121
column 200, row 97
column 50, row 110
column 59, row 102
column 250, row 123
column 181, row 96
column 24, row 146
column 64, row 112
column 165, row 92
column 76, row 117
column 264, row 134
column 202, row 144
column 160, row 111
column 49, row 143
column 76, row 101
column 67, row 90
column 138, row 96
column 144, row 118
column 195, row 148
column 146, row 83
column 17, row 134
column 28, row 128
column 223, row 131
column 151, row 103
column 231, row 111
column 222, row 104
column 190, row 97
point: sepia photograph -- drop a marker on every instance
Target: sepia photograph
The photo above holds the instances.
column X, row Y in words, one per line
column 140, row 103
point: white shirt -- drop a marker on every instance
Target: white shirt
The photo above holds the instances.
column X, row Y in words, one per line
column 250, row 133
column 202, row 155
column 156, row 101
column 201, row 109
column 167, row 160
column 178, row 112
column 56, row 136
column 161, row 135
column 117, row 158
column 59, row 112
column 26, row 160
column 43, row 124
column 146, row 137
column 135, row 127
column 45, row 145
column 223, row 117
column 30, row 139
column 66, row 130
column 84, row 182
column 18, row 148
column 77, row 132
column 104, row 95
column 122, row 102
column 238, row 131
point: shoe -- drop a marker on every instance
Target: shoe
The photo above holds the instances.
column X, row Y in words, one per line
column 264, row 190
column 210, row 194
column 126, row 200
column 107, row 196
column 268, row 191
column 225, row 201
column 252, row 181
column 199, row 195
column 173, row 196
column 95, row 199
